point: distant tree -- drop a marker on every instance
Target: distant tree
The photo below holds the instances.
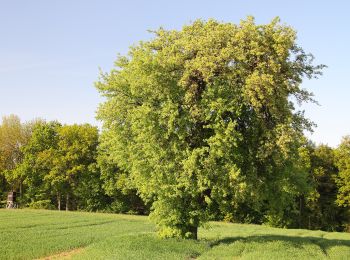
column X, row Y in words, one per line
column 320, row 210
column 205, row 116
column 60, row 163
column 73, row 170
column 3, row 183
column 13, row 136
column 343, row 162
column 38, row 162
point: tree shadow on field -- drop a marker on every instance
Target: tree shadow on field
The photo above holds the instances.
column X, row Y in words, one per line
column 294, row 241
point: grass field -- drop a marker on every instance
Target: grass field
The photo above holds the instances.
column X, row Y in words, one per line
column 32, row 234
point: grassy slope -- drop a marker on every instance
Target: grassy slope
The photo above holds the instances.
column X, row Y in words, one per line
column 28, row 234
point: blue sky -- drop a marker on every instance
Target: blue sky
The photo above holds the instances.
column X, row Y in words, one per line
column 50, row 51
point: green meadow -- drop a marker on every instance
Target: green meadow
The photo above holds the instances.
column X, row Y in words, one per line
column 35, row 234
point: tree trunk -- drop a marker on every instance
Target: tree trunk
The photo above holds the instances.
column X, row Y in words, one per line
column 20, row 189
column 59, row 201
column 300, row 211
column 194, row 232
column 67, row 202
column 309, row 222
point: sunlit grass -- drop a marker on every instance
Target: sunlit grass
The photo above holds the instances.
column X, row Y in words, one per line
column 30, row 234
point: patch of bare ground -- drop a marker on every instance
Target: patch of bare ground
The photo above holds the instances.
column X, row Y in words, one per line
column 63, row 255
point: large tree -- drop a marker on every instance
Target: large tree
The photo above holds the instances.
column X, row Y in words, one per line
column 205, row 116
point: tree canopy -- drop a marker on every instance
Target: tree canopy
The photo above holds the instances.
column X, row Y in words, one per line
column 205, row 118
column 13, row 136
column 343, row 162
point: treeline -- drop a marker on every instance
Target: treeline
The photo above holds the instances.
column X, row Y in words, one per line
column 55, row 166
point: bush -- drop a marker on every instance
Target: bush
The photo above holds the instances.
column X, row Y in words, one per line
column 41, row 204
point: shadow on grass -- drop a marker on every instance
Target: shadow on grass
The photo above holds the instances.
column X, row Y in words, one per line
column 294, row 241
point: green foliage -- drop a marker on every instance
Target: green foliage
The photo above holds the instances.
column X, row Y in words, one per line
column 117, row 185
column 316, row 207
column 37, row 162
column 13, row 136
column 60, row 165
column 57, row 165
column 73, row 172
column 41, row 204
column 203, row 117
column 343, row 162
column 324, row 213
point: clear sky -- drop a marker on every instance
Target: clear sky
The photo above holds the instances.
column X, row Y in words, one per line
column 50, row 51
